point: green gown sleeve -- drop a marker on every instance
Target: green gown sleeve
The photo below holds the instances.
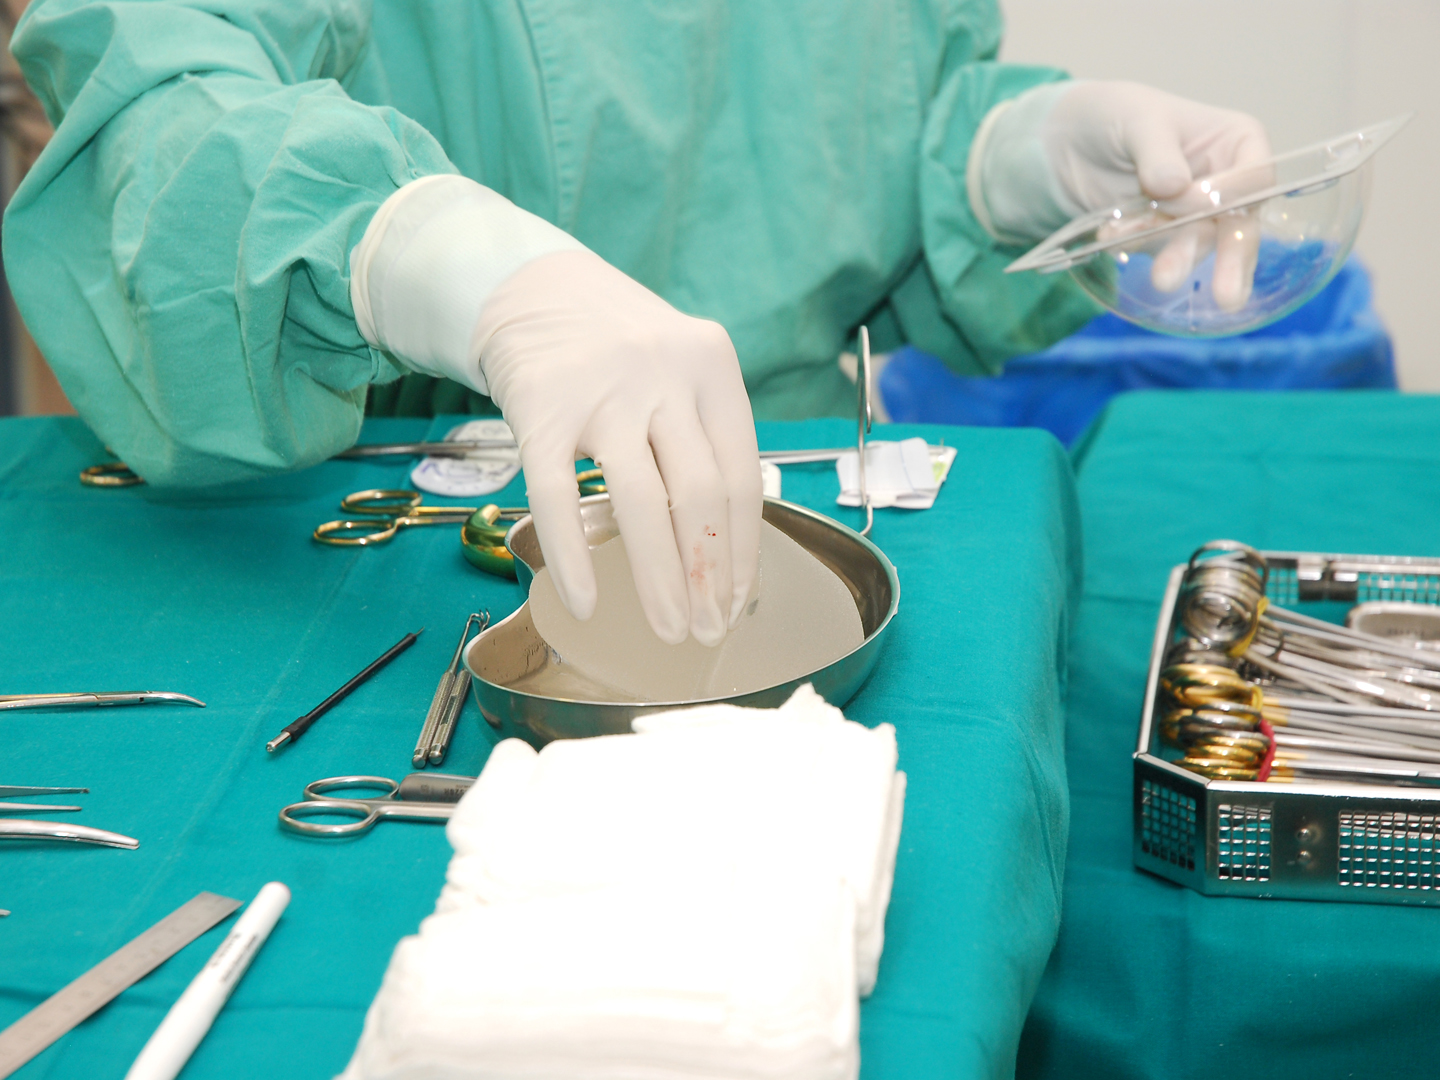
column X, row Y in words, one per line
column 957, row 302
column 180, row 249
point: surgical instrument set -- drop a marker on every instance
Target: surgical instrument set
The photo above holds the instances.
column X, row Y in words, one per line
column 1284, row 755
column 292, row 732
column 419, row 797
column 440, row 720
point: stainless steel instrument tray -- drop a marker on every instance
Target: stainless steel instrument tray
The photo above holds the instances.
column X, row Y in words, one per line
column 1308, row 840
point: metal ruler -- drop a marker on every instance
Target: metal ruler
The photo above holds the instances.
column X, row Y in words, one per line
column 126, row 966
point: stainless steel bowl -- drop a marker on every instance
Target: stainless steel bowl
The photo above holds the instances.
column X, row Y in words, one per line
column 512, row 650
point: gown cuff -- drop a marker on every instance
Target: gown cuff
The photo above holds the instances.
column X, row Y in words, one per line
column 431, row 256
column 1009, row 178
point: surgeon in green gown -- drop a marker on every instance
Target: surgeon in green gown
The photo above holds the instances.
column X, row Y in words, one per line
column 630, row 226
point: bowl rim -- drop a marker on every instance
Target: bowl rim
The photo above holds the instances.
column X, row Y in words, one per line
column 1050, row 256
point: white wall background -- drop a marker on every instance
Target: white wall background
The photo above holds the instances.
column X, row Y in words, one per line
column 1308, row 69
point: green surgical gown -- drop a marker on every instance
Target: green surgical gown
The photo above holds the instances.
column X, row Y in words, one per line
column 180, row 250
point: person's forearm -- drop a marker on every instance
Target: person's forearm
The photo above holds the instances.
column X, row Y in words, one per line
column 180, row 250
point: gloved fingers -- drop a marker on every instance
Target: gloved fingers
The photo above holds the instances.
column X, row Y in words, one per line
column 1237, row 249
column 639, row 498
column 1181, row 254
column 555, row 508
column 730, row 427
column 1154, row 144
column 1231, row 143
column 700, row 515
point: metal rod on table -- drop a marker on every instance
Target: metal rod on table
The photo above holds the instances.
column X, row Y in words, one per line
column 455, row 448
column 292, row 732
column 862, row 383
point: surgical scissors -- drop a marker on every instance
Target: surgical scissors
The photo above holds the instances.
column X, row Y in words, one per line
column 386, row 511
column 419, row 797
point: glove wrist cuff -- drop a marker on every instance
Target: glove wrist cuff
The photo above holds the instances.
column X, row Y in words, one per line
column 431, row 257
column 1010, row 178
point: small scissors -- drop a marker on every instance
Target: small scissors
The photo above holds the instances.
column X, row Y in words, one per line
column 419, row 797
column 388, row 511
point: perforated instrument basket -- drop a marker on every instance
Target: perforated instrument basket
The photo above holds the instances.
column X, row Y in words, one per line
column 1306, row 840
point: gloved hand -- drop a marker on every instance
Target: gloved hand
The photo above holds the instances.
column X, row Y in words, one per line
column 584, row 361
column 1067, row 148
column 454, row 280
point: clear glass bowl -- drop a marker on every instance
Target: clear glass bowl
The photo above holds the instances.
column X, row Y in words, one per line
column 1238, row 250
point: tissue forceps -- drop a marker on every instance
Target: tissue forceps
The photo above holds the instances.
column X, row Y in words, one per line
column 449, row 701
column 419, row 797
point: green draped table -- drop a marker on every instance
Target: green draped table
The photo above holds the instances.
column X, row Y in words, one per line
column 222, row 594
column 1151, row 980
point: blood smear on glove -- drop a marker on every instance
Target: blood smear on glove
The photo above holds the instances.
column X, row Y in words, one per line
column 803, row 619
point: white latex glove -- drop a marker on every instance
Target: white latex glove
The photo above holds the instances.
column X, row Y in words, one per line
column 454, row 280
column 1068, row 148
column 586, row 362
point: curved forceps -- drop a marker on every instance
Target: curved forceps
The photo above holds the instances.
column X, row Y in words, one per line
column 366, row 812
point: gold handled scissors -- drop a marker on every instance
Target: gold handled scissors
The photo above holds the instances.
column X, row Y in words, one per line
column 383, row 512
column 109, row 474
column 482, row 538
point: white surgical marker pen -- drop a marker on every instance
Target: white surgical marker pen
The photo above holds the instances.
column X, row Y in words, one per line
column 191, row 1016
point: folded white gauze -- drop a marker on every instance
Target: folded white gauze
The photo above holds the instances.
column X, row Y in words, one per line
column 719, row 784
column 700, row 899
column 707, row 978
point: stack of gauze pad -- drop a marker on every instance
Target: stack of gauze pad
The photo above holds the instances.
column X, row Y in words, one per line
column 702, row 899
